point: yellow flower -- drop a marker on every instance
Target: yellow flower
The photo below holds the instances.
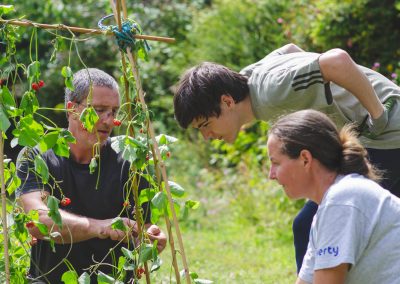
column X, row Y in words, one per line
column 389, row 67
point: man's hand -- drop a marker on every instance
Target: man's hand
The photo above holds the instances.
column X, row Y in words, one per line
column 378, row 125
column 106, row 231
column 154, row 234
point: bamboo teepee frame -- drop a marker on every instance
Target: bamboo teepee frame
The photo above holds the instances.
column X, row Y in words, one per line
column 161, row 173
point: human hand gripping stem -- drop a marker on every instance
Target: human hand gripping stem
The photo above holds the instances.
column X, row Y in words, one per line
column 153, row 232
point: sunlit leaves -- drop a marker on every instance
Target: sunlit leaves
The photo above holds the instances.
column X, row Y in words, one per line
column 48, row 141
column 66, row 72
column 89, row 118
column 29, row 103
column 54, row 214
column 84, row 278
column 5, row 9
column 164, row 139
column 93, row 165
column 132, row 149
column 118, row 224
column 176, row 189
column 33, row 72
column 106, row 279
column 69, row 277
column 10, row 176
column 61, row 148
column 28, row 131
column 4, row 122
column 8, row 102
column 41, row 168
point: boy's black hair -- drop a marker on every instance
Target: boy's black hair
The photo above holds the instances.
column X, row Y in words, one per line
column 198, row 93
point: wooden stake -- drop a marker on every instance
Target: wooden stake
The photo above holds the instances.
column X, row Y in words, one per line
column 26, row 23
column 4, row 210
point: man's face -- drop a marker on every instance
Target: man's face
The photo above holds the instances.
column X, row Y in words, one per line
column 224, row 127
column 105, row 101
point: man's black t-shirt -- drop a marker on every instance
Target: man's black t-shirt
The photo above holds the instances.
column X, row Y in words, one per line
column 76, row 182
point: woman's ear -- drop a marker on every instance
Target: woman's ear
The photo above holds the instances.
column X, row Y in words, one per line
column 306, row 157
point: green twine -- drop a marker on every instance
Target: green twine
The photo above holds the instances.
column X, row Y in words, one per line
column 126, row 36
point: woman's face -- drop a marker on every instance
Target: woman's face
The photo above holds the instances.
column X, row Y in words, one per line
column 292, row 174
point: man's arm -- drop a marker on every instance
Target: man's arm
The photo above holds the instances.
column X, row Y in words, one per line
column 338, row 67
column 75, row 228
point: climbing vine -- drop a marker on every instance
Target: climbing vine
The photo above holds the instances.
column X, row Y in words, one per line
column 21, row 84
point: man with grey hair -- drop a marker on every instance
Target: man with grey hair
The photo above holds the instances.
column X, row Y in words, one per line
column 86, row 236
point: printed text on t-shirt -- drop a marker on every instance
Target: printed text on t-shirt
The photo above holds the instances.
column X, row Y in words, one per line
column 328, row 250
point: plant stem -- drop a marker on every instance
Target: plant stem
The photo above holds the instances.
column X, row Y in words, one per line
column 135, row 72
column 4, row 210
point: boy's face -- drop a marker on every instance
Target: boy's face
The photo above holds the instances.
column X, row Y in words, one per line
column 224, row 127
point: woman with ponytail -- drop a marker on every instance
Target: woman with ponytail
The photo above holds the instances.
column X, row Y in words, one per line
column 354, row 234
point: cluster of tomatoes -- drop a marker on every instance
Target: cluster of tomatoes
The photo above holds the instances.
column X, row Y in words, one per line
column 38, row 85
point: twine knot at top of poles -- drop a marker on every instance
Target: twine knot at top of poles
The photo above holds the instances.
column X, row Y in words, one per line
column 126, row 36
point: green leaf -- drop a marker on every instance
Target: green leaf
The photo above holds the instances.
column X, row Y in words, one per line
column 146, row 195
column 156, row 264
column 128, row 254
column 28, row 131
column 48, row 141
column 145, row 253
column 118, row 224
column 131, row 148
column 70, row 277
column 177, row 209
column 192, row 204
column 4, row 122
column 34, row 71
column 156, row 214
column 42, row 228
column 5, row 9
column 19, row 226
column 106, row 279
column 84, row 278
column 7, row 99
column 89, row 118
column 41, row 169
column 10, row 175
column 66, row 72
column 61, row 148
column 164, row 139
column 93, row 165
column 69, row 83
column 29, row 103
column 160, row 200
column 54, row 214
column 176, row 189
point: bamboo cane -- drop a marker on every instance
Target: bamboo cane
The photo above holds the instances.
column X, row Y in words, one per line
column 140, row 92
column 26, row 23
column 4, row 210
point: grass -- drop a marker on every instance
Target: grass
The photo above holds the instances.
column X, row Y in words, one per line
column 240, row 234
column 224, row 249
